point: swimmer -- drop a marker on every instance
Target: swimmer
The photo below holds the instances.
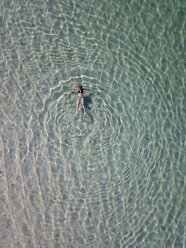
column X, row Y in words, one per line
column 80, row 90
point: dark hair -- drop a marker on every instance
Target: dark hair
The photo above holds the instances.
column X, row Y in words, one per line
column 80, row 86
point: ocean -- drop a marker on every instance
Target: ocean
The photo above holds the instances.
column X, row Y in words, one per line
column 114, row 177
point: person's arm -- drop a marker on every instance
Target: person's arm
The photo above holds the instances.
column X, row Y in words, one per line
column 73, row 88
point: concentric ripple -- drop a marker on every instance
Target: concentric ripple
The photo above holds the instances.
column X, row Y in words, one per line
column 99, row 129
column 115, row 176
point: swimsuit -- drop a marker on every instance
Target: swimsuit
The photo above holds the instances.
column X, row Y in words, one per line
column 80, row 97
column 81, row 92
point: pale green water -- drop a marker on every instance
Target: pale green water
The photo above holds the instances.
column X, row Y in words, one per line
column 112, row 178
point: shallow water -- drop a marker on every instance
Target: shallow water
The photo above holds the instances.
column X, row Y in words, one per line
column 115, row 176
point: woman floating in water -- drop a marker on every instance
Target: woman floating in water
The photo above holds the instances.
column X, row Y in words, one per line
column 80, row 90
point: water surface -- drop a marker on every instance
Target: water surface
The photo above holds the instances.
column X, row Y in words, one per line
column 113, row 177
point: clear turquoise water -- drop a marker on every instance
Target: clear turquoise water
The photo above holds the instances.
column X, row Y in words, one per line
column 112, row 178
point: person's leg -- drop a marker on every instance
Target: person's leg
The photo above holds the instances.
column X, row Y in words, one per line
column 82, row 101
column 77, row 106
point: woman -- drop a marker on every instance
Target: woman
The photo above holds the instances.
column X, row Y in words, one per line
column 80, row 90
